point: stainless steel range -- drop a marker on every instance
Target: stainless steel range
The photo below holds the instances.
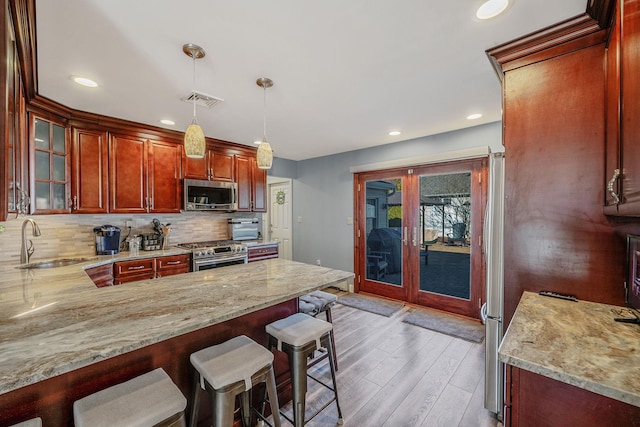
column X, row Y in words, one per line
column 216, row 253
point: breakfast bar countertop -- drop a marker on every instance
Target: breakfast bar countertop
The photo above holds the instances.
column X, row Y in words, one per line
column 55, row 320
column 577, row 343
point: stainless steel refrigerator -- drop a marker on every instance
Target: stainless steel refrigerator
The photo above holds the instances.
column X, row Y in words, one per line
column 492, row 310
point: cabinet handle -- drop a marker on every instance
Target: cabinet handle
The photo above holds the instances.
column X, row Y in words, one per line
column 415, row 234
column 405, row 236
column 75, row 203
column 612, row 181
column 140, row 267
column 173, row 262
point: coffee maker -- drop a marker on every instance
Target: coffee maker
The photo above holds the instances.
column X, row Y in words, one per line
column 107, row 240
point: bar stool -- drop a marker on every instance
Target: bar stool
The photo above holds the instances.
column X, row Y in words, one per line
column 318, row 302
column 34, row 422
column 151, row 399
column 230, row 369
column 299, row 335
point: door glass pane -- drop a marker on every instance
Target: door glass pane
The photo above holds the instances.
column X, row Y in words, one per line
column 58, row 139
column 42, row 165
column 59, row 168
column 445, row 220
column 384, row 231
column 58, row 196
column 42, row 134
column 42, row 195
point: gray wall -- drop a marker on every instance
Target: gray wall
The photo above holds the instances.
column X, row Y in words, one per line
column 323, row 190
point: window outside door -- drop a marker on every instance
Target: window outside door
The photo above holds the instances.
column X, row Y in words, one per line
column 421, row 235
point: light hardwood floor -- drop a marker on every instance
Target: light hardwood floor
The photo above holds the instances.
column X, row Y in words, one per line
column 395, row 374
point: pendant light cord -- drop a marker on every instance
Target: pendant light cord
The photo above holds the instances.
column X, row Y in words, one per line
column 264, row 134
column 193, row 93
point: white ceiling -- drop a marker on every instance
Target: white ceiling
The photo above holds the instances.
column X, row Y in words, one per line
column 345, row 72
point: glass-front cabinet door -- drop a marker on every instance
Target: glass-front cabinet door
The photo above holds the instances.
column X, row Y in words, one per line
column 50, row 175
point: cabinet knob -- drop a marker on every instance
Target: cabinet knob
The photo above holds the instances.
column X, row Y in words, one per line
column 610, row 189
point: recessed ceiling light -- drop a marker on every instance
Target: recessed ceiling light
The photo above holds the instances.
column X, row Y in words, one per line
column 167, row 122
column 83, row 81
column 492, row 8
column 394, row 133
column 474, row 116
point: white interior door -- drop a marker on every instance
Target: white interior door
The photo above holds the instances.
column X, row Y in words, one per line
column 280, row 217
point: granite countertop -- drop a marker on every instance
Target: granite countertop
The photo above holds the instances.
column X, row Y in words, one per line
column 577, row 343
column 55, row 320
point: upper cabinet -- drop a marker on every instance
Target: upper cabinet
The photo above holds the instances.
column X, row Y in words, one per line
column 89, row 155
column 252, row 185
column 622, row 102
column 50, row 172
column 216, row 165
column 144, row 176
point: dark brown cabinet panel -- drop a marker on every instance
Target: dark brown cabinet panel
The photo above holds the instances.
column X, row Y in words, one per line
column 622, row 104
column 566, row 405
column 252, row 185
column 131, row 271
column 259, row 253
column 144, row 176
column 172, row 265
column 127, row 177
column 222, row 169
column 214, row 166
column 164, row 189
column 102, row 276
column 89, row 173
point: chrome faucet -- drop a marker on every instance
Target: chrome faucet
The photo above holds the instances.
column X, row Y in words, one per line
column 26, row 250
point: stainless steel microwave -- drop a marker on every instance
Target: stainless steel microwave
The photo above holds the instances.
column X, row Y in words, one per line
column 200, row 195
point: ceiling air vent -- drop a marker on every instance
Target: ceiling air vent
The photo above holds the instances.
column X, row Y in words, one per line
column 202, row 99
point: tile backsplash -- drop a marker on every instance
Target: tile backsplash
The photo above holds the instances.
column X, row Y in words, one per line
column 72, row 235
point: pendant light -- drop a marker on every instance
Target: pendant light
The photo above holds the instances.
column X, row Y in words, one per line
column 194, row 142
column 264, row 156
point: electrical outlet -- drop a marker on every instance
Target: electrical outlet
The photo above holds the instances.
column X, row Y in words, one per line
column 128, row 223
column 318, row 262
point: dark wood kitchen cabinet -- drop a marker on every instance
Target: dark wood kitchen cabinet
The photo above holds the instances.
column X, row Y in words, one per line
column 89, row 172
column 565, row 404
column 144, row 175
column 622, row 107
column 215, row 166
column 134, row 270
column 164, row 173
column 101, row 276
column 252, row 185
column 50, row 161
column 172, row 265
column 258, row 253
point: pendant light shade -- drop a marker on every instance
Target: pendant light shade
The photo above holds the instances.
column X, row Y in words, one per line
column 264, row 155
column 194, row 142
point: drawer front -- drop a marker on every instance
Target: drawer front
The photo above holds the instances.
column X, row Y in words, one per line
column 134, row 268
column 262, row 252
column 133, row 278
column 179, row 262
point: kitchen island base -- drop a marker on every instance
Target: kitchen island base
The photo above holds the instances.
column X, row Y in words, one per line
column 52, row 399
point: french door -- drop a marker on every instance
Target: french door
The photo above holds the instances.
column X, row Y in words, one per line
column 419, row 235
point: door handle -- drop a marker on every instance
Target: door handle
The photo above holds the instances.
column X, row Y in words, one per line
column 612, row 192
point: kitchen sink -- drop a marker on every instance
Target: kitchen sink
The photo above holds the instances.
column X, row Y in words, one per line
column 56, row 263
